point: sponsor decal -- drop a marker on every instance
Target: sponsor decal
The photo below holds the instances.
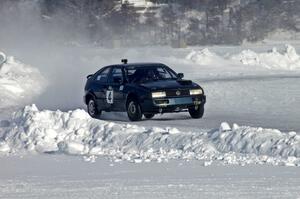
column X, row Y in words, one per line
column 110, row 96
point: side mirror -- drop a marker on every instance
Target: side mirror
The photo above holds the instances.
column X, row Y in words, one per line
column 89, row 76
column 180, row 75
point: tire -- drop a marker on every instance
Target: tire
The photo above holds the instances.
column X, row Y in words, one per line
column 134, row 111
column 92, row 109
column 149, row 116
column 197, row 112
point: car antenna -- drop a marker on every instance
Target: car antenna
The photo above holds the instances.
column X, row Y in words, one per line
column 124, row 61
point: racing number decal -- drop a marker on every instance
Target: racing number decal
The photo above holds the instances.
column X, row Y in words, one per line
column 110, row 96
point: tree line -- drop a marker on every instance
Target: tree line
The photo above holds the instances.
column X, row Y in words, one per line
column 167, row 22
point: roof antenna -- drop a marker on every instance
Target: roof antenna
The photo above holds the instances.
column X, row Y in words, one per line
column 124, row 61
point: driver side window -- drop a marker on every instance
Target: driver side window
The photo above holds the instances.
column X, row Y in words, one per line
column 117, row 75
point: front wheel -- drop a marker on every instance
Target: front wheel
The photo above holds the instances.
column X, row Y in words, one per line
column 134, row 111
column 149, row 115
column 92, row 109
column 196, row 112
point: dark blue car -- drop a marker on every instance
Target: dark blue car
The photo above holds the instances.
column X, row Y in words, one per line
column 142, row 89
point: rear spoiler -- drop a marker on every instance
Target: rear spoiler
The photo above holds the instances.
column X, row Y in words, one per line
column 3, row 59
column 89, row 76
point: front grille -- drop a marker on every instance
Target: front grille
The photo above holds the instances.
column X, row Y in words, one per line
column 174, row 93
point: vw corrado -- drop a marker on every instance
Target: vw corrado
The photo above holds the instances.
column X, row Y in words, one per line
column 142, row 89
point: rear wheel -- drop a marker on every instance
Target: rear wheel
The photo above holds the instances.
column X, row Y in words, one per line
column 92, row 109
column 134, row 111
column 196, row 112
column 149, row 116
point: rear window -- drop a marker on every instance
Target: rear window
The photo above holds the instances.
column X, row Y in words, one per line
column 103, row 76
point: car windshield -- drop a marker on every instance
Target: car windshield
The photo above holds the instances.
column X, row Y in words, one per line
column 149, row 73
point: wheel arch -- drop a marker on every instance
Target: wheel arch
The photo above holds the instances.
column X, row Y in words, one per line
column 132, row 95
column 89, row 96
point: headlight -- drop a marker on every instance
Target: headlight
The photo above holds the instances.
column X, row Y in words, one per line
column 158, row 94
column 196, row 92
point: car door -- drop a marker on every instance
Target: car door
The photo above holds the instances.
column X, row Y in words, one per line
column 101, row 87
column 116, row 83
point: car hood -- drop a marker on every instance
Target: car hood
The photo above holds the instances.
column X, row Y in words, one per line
column 169, row 84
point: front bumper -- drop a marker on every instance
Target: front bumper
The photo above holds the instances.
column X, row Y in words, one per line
column 174, row 104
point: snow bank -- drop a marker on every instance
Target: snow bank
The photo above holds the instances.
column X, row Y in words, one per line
column 288, row 59
column 203, row 57
column 75, row 133
column 18, row 82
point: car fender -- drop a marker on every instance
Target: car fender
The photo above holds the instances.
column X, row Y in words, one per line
column 132, row 95
column 139, row 92
column 88, row 95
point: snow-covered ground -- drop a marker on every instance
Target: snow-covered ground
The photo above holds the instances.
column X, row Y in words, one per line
column 68, row 177
column 255, row 86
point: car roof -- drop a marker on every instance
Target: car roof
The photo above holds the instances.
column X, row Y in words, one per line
column 146, row 64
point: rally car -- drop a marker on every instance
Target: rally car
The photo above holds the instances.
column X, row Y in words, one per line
column 142, row 89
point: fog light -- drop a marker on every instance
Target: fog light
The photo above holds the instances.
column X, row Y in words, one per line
column 161, row 102
column 197, row 102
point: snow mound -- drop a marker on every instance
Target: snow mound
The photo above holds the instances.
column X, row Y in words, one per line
column 203, row 57
column 286, row 60
column 258, row 141
column 247, row 57
column 75, row 133
column 19, row 83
